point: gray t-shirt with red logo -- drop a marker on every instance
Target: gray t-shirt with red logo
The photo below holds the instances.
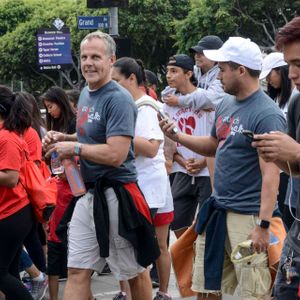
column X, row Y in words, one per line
column 238, row 179
column 106, row 112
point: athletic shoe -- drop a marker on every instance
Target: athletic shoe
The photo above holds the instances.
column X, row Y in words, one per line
column 39, row 289
column 120, row 296
column 162, row 296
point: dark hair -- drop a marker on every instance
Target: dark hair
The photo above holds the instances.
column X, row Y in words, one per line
column 128, row 66
column 73, row 96
column 14, row 110
column 252, row 73
column 37, row 121
column 284, row 92
column 193, row 79
column 58, row 96
column 288, row 33
column 151, row 77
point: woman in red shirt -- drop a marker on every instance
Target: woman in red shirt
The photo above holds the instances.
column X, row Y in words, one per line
column 16, row 217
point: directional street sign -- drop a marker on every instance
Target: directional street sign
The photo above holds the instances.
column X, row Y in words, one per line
column 53, row 48
column 92, row 22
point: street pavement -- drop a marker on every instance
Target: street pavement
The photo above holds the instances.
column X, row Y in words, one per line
column 104, row 287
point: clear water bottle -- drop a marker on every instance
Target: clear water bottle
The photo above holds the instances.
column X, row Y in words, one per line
column 56, row 164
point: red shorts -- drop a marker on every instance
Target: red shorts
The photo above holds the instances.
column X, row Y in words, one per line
column 161, row 219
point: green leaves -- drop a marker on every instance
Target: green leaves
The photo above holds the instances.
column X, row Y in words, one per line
column 148, row 23
column 157, row 29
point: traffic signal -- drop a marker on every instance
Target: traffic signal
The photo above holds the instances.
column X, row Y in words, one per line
column 123, row 46
column 107, row 3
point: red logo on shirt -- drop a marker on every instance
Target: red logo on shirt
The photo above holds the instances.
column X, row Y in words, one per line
column 82, row 117
column 187, row 125
column 223, row 129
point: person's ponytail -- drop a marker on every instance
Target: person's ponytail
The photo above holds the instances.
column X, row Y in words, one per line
column 142, row 75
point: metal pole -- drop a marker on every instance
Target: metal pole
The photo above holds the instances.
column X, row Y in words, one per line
column 113, row 29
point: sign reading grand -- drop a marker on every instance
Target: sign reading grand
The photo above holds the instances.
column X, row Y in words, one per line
column 53, row 48
column 107, row 3
column 93, row 22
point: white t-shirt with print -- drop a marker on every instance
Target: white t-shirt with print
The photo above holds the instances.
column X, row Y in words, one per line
column 196, row 122
column 152, row 174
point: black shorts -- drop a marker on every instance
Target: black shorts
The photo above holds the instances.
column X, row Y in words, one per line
column 283, row 290
column 187, row 196
column 57, row 259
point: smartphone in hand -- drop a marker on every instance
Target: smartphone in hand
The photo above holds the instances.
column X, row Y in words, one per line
column 249, row 134
column 163, row 115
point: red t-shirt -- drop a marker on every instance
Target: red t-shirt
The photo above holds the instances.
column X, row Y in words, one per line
column 152, row 93
column 34, row 143
column 12, row 157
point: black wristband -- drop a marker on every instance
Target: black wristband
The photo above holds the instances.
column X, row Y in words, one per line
column 263, row 223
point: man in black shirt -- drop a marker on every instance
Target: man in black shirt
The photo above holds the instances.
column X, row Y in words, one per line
column 284, row 150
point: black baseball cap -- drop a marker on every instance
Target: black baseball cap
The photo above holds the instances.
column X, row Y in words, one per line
column 183, row 61
column 209, row 42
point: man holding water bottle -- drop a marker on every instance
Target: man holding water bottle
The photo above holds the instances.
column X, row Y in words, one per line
column 105, row 128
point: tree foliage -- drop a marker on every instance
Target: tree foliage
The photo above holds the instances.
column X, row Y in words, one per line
column 257, row 19
column 150, row 26
column 157, row 29
column 206, row 17
column 148, row 23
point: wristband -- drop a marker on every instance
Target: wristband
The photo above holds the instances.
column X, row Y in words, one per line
column 263, row 223
column 77, row 149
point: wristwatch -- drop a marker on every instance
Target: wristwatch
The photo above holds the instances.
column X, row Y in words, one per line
column 263, row 223
column 77, row 149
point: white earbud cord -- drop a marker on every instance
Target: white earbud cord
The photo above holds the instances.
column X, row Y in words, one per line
column 291, row 190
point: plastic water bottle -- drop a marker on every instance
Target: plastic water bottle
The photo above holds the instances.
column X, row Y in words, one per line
column 74, row 177
column 56, row 165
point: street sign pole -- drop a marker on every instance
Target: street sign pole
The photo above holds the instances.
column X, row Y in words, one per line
column 113, row 29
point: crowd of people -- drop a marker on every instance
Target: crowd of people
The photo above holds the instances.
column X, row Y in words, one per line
column 210, row 153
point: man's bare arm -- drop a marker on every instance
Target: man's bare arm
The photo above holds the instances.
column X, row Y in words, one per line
column 113, row 153
column 204, row 145
column 270, row 181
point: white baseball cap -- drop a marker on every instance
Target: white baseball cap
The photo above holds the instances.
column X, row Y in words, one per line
column 239, row 50
column 271, row 61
